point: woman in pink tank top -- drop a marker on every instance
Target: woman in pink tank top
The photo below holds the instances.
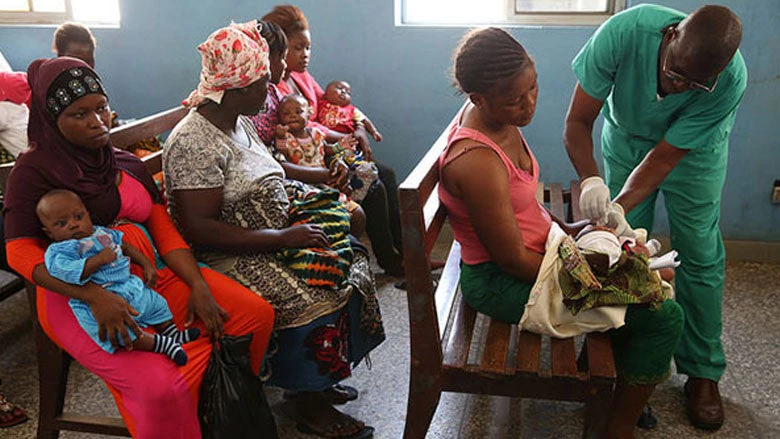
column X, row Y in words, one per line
column 488, row 184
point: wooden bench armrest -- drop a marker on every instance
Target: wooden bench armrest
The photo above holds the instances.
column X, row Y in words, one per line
column 124, row 136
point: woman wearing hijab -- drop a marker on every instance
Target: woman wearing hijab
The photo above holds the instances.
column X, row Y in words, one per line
column 230, row 199
column 70, row 149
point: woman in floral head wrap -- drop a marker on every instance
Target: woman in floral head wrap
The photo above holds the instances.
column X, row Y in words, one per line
column 70, row 148
column 229, row 198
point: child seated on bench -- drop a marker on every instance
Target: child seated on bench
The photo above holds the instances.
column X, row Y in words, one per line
column 84, row 253
column 306, row 146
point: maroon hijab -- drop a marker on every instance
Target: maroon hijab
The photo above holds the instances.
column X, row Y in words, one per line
column 51, row 162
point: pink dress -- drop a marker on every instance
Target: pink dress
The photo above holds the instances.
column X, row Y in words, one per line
column 155, row 398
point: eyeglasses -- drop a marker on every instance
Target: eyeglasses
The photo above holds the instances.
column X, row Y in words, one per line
column 674, row 76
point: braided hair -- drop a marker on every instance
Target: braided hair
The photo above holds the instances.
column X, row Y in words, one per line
column 274, row 36
column 485, row 58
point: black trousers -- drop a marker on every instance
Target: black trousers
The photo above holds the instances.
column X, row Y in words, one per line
column 383, row 220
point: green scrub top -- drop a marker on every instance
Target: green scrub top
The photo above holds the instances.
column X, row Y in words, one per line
column 619, row 65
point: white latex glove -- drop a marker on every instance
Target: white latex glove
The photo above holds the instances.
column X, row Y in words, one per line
column 594, row 199
column 668, row 260
column 616, row 219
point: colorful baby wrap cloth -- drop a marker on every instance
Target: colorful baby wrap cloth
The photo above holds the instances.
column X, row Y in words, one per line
column 320, row 266
column 65, row 261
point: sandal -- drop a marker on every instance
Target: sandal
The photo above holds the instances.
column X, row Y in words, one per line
column 647, row 420
column 337, row 395
column 366, row 433
column 10, row 414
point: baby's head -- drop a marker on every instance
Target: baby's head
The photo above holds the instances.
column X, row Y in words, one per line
column 294, row 112
column 338, row 93
column 63, row 215
column 601, row 240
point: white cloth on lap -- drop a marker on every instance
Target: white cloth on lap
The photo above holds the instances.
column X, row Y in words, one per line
column 545, row 313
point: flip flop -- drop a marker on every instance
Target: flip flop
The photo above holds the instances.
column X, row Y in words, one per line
column 647, row 419
column 366, row 433
column 337, row 395
column 10, row 414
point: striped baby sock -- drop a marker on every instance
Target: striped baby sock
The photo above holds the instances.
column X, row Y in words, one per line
column 181, row 337
column 168, row 346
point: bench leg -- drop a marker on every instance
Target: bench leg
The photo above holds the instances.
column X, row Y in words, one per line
column 424, row 394
column 53, row 366
column 598, row 407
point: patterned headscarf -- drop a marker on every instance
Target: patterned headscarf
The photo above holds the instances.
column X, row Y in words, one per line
column 233, row 57
column 52, row 162
column 69, row 86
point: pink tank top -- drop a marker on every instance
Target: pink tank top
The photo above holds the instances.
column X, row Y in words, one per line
column 532, row 218
column 136, row 202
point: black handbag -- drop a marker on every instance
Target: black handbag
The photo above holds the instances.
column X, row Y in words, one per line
column 232, row 401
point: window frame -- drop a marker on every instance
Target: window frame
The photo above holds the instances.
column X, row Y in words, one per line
column 568, row 18
column 35, row 18
column 511, row 18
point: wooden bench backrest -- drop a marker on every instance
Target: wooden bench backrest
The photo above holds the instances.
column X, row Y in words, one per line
column 422, row 218
column 125, row 135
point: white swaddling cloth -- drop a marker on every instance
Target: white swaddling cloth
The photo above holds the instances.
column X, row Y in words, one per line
column 545, row 313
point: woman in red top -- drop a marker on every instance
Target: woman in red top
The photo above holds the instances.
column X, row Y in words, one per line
column 70, row 149
column 381, row 202
column 503, row 235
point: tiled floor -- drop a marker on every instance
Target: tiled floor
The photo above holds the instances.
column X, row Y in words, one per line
column 751, row 386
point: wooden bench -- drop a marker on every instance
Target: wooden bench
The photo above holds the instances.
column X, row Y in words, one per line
column 442, row 325
column 53, row 362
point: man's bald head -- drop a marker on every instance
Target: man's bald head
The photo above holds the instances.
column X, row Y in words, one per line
column 707, row 40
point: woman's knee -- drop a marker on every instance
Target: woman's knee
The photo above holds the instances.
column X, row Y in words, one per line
column 671, row 317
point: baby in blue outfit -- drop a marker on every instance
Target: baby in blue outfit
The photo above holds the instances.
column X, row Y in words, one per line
column 84, row 253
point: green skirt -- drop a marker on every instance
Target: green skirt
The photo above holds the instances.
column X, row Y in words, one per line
column 643, row 347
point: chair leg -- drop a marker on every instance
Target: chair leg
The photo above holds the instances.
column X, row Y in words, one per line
column 53, row 366
column 424, row 394
column 597, row 410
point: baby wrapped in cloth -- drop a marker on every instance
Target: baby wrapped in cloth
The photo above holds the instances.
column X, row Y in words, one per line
column 570, row 297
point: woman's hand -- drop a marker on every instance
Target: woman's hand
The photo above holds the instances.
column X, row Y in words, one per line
column 303, row 235
column 203, row 307
column 573, row 229
column 114, row 317
column 365, row 146
column 348, row 142
column 339, row 172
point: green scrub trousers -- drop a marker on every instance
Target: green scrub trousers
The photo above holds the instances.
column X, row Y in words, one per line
column 692, row 197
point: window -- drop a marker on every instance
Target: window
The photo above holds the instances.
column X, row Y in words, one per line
column 90, row 12
column 503, row 12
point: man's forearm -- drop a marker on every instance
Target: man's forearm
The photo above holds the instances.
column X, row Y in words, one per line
column 578, row 138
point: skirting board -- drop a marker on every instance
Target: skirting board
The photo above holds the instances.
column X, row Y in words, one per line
column 754, row 251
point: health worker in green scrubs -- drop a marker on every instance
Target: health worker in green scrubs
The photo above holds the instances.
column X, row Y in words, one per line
column 668, row 86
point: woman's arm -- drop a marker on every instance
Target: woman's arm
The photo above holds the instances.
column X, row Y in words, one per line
column 572, row 229
column 365, row 145
column 113, row 314
column 470, row 177
column 199, row 218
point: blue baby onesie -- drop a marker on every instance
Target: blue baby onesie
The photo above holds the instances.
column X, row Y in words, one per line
column 65, row 261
